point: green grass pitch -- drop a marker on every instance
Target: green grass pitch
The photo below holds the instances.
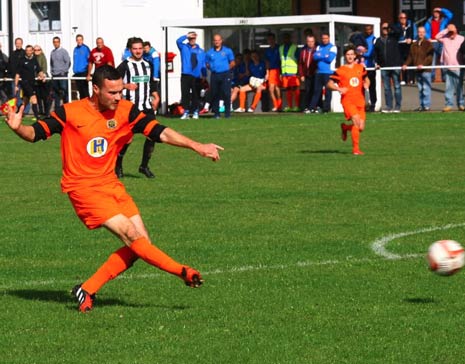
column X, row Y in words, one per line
column 282, row 229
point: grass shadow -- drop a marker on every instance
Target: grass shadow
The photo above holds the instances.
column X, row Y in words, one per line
column 329, row 151
column 420, row 300
column 59, row 296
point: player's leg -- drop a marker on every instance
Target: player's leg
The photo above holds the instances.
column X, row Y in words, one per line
column 149, row 147
column 357, row 128
column 131, row 232
column 119, row 160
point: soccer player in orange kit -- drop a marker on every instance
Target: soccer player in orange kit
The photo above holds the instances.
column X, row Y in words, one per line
column 351, row 81
column 93, row 130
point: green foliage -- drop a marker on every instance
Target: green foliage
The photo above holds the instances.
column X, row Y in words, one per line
column 244, row 8
column 281, row 228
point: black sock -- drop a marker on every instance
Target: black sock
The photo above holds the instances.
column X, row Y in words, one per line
column 149, row 146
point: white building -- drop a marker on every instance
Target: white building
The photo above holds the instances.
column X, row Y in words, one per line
column 38, row 21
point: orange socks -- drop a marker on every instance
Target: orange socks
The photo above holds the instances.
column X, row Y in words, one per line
column 154, row 256
column 297, row 96
column 116, row 264
column 256, row 99
column 289, row 97
column 242, row 97
column 355, row 138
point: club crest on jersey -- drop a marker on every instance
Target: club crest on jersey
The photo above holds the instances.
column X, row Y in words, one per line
column 354, row 81
column 112, row 124
column 97, row 147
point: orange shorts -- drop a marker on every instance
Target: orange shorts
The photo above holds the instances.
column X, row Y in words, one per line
column 351, row 109
column 290, row 81
column 97, row 205
column 273, row 77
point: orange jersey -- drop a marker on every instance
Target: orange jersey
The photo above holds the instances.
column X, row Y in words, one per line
column 91, row 140
column 352, row 78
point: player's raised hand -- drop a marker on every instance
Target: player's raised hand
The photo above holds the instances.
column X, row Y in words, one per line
column 13, row 118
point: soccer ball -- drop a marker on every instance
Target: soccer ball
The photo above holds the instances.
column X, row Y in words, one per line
column 446, row 257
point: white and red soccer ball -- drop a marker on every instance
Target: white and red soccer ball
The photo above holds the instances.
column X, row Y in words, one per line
column 446, row 257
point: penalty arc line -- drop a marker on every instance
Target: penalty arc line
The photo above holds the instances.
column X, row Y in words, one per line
column 379, row 246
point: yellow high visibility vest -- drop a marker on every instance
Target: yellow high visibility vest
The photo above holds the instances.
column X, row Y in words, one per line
column 289, row 62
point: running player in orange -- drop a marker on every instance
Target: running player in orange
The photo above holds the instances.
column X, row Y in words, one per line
column 351, row 80
column 93, row 131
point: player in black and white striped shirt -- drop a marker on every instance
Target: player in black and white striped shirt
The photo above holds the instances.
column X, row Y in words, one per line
column 138, row 88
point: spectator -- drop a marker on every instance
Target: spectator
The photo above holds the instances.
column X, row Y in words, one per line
column 99, row 56
column 240, row 77
column 273, row 64
column 324, row 56
column 220, row 62
column 387, row 54
column 451, row 42
column 27, row 70
column 289, row 55
column 369, row 56
column 258, row 77
column 409, row 33
column 15, row 58
column 307, row 69
column 42, row 86
column 5, row 89
column 193, row 70
column 138, row 88
column 81, row 55
column 437, row 22
column 421, row 54
column 59, row 67
column 153, row 57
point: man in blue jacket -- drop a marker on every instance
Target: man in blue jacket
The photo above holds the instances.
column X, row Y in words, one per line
column 80, row 64
column 324, row 56
column 220, row 61
column 436, row 23
column 192, row 72
column 369, row 57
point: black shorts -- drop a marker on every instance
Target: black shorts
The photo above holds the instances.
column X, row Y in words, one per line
column 28, row 89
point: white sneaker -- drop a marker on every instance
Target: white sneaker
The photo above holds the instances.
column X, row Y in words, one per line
column 195, row 116
column 185, row 116
column 239, row 109
column 402, row 83
column 250, row 109
column 396, row 110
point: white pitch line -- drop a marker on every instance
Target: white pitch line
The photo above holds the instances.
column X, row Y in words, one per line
column 232, row 270
column 379, row 246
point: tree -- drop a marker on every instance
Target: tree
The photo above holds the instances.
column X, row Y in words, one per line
column 246, row 8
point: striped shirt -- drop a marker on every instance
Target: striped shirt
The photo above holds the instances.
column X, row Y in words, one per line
column 138, row 72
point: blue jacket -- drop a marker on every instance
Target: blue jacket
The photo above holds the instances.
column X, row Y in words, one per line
column 447, row 17
column 410, row 32
column 153, row 57
column 369, row 55
column 187, row 53
column 324, row 56
column 219, row 61
column 80, row 58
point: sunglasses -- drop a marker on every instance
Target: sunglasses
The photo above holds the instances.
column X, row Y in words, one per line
column 37, row 50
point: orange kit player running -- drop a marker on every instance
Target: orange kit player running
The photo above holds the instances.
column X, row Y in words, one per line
column 350, row 80
column 93, row 131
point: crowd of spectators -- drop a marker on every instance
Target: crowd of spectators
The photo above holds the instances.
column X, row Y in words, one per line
column 220, row 81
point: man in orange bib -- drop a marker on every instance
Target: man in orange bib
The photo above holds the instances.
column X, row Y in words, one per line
column 351, row 81
column 93, row 131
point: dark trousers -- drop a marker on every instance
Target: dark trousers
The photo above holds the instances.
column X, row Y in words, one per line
column 220, row 84
column 321, row 80
column 44, row 97
column 190, row 93
column 60, row 91
column 373, row 99
column 308, row 91
column 82, row 85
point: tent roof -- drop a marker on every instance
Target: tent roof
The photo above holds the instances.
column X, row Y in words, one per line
column 267, row 21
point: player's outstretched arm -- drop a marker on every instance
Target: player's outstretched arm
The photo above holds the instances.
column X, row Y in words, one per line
column 172, row 137
column 15, row 122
